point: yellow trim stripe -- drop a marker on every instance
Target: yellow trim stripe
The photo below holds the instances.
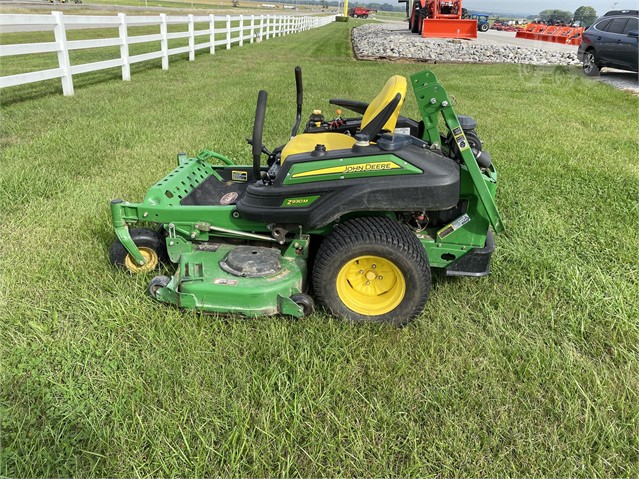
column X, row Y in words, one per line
column 356, row 168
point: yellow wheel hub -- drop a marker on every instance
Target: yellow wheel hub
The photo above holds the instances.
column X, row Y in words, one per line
column 371, row 285
column 149, row 255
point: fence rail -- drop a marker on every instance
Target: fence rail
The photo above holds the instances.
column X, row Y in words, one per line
column 229, row 29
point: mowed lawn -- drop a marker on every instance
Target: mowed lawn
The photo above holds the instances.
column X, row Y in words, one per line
column 531, row 371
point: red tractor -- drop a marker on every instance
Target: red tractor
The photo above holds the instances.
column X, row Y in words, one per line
column 440, row 19
column 360, row 12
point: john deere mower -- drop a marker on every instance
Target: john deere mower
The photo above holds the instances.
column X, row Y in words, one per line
column 355, row 211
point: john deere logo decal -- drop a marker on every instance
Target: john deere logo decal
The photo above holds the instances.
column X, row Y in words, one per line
column 357, row 168
column 299, row 202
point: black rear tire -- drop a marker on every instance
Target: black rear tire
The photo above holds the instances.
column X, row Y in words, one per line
column 483, row 27
column 395, row 275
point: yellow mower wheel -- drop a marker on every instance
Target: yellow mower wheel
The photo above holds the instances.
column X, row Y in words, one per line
column 372, row 269
column 151, row 258
column 150, row 243
column 371, row 285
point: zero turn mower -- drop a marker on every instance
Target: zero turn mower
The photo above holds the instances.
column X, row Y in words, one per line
column 356, row 210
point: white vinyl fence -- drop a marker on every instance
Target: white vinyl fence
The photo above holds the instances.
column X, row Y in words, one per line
column 232, row 28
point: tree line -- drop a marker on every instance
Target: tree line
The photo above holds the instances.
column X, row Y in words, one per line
column 586, row 15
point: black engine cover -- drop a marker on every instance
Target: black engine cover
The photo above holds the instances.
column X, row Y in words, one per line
column 436, row 188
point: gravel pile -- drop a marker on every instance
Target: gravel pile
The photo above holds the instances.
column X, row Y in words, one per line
column 383, row 41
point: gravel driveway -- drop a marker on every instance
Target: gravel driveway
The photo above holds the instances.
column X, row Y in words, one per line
column 628, row 81
column 393, row 40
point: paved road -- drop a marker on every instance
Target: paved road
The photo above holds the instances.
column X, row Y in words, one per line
column 508, row 38
column 619, row 79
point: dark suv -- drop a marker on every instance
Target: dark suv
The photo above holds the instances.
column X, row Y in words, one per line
column 611, row 42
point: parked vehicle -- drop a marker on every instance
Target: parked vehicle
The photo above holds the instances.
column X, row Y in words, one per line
column 482, row 21
column 360, row 12
column 611, row 42
column 502, row 26
column 439, row 19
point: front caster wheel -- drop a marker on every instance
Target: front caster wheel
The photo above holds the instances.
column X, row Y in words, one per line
column 150, row 244
column 157, row 283
column 305, row 302
column 372, row 269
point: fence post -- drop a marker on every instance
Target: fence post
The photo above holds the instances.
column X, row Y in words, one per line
column 261, row 37
column 191, row 38
column 212, row 35
column 241, row 30
column 164, row 42
column 63, row 54
column 228, row 32
column 124, row 48
column 252, row 28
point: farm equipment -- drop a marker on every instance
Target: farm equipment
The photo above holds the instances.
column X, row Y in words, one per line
column 482, row 21
column 360, row 12
column 361, row 208
column 552, row 33
column 504, row 26
column 439, row 19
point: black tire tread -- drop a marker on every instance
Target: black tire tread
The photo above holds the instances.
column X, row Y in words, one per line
column 597, row 69
column 159, row 282
column 379, row 230
column 141, row 237
column 414, row 27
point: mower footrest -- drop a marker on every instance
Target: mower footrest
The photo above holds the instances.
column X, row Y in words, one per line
column 476, row 263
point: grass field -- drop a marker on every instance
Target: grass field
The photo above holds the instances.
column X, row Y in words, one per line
column 531, row 371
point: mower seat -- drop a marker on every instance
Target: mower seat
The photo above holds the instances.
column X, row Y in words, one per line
column 371, row 122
